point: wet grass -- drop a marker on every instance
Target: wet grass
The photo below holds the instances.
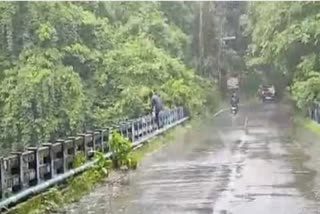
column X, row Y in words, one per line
column 306, row 133
column 54, row 198
column 308, row 124
column 312, row 126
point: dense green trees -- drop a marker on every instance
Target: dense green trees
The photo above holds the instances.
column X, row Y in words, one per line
column 212, row 55
column 285, row 44
column 69, row 66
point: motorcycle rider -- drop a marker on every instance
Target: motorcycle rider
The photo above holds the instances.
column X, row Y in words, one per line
column 234, row 100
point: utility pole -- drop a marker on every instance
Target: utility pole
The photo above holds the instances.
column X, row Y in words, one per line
column 200, row 35
column 220, row 47
column 222, row 39
column 219, row 55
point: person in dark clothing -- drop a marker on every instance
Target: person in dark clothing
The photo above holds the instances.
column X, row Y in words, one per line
column 156, row 106
column 234, row 100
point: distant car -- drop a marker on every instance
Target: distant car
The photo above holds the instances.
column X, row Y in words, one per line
column 267, row 93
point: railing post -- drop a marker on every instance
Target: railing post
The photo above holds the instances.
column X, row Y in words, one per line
column 101, row 133
column 92, row 141
column 149, row 125
column 64, row 155
column 154, row 124
column 143, row 125
column 20, row 163
column 84, row 144
column 164, row 119
column 177, row 114
column 110, row 131
column 138, row 128
column 161, row 119
column 120, row 128
column 127, row 125
column 35, row 151
column 2, row 178
column 74, row 145
column 143, row 122
column 52, row 170
column 109, row 137
column 132, row 131
column 158, row 123
column 123, row 129
column 94, row 146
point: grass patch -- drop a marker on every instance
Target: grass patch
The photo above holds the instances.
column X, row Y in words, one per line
column 56, row 197
column 42, row 203
column 308, row 124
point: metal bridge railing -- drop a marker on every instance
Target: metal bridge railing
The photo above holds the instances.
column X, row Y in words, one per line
column 314, row 112
column 26, row 173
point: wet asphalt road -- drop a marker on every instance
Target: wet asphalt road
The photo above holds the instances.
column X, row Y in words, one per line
column 222, row 168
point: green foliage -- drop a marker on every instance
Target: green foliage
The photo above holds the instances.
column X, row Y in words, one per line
column 51, row 200
column 251, row 86
column 103, row 165
column 121, row 149
column 308, row 91
column 285, row 36
column 79, row 160
column 214, row 21
column 42, row 100
column 80, row 185
column 69, row 66
column 45, row 203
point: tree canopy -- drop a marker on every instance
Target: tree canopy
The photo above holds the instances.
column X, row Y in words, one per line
column 285, row 40
column 70, row 66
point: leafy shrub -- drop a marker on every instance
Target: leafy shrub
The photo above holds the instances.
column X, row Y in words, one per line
column 121, row 149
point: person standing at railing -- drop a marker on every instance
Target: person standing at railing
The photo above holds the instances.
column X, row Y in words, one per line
column 156, row 106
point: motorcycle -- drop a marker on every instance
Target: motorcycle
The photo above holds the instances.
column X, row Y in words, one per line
column 234, row 110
